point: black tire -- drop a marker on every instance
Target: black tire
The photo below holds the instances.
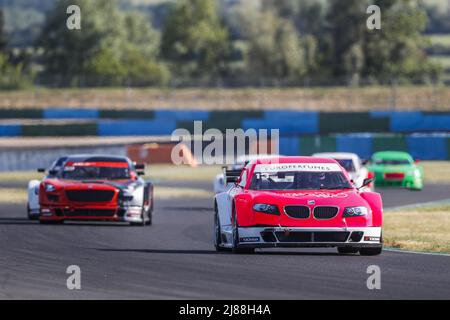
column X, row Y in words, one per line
column 217, row 234
column 150, row 216
column 236, row 248
column 50, row 222
column 30, row 217
column 142, row 223
column 370, row 251
column 139, row 224
column 347, row 250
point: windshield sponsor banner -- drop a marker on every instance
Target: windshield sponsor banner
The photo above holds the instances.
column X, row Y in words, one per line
column 339, row 195
column 289, row 167
column 98, row 164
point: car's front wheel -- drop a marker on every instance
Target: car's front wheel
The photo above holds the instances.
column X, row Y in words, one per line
column 218, row 234
column 30, row 216
column 236, row 248
column 141, row 223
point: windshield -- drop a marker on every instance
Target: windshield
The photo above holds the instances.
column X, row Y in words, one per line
column 95, row 172
column 392, row 162
column 347, row 164
column 299, row 180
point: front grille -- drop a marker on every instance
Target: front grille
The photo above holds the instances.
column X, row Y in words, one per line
column 318, row 236
column 268, row 236
column 294, row 236
column 298, row 212
column 89, row 213
column 331, row 236
column 52, row 198
column 90, row 195
column 325, row 212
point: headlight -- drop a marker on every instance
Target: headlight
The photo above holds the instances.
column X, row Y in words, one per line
column 50, row 188
column 266, row 208
column 355, row 211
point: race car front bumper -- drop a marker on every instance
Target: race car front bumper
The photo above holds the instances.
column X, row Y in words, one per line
column 266, row 237
column 55, row 213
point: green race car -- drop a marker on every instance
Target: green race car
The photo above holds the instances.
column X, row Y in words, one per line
column 395, row 168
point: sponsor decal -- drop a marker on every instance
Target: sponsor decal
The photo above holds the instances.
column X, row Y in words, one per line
column 376, row 239
column 96, row 164
column 249, row 239
column 307, row 167
column 340, row 195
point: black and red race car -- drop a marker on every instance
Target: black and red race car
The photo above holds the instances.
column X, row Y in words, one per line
column 96, row 188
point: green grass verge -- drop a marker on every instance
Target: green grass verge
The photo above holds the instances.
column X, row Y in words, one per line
column 436, row 171
column 424, row 229
column 13, row 196
column 182, row 173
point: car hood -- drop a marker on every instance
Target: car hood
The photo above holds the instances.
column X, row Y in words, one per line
column 345, row 197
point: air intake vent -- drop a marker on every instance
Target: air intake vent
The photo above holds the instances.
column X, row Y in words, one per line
column 325, row 212
column 298, row 212
column 90, row 195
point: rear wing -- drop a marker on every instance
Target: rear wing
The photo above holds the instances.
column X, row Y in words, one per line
column 231, row 176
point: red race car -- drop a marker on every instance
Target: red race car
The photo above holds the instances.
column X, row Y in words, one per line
column 297, row 202
column 96, row 188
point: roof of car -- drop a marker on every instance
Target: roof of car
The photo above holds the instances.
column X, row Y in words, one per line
column 294, row 160
column 392, row 155
column 336, row 155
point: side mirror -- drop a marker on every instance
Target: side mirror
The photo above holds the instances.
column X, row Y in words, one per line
column 365, row 162
column 52, row 172
column 140, row 169
column 232, row 176
column 41, row 170
column 140, row 166
column 366, row 182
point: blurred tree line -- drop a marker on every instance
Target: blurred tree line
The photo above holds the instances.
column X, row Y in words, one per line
column 13, row 74
column 232, row 43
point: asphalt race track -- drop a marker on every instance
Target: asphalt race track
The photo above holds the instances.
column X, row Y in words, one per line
column 175, row 259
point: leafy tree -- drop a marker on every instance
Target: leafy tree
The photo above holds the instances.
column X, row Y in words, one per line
column 346, row 26
column 307, row 15
column 2, row 32
column 274, row 47
column 195, row 40
column 97, row 54
column 396, row 52
column 13, row 76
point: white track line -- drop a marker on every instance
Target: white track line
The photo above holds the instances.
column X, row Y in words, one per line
column 416, row 252
column 419, row 205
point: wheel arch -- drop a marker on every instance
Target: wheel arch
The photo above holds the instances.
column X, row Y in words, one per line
column 376, row 204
